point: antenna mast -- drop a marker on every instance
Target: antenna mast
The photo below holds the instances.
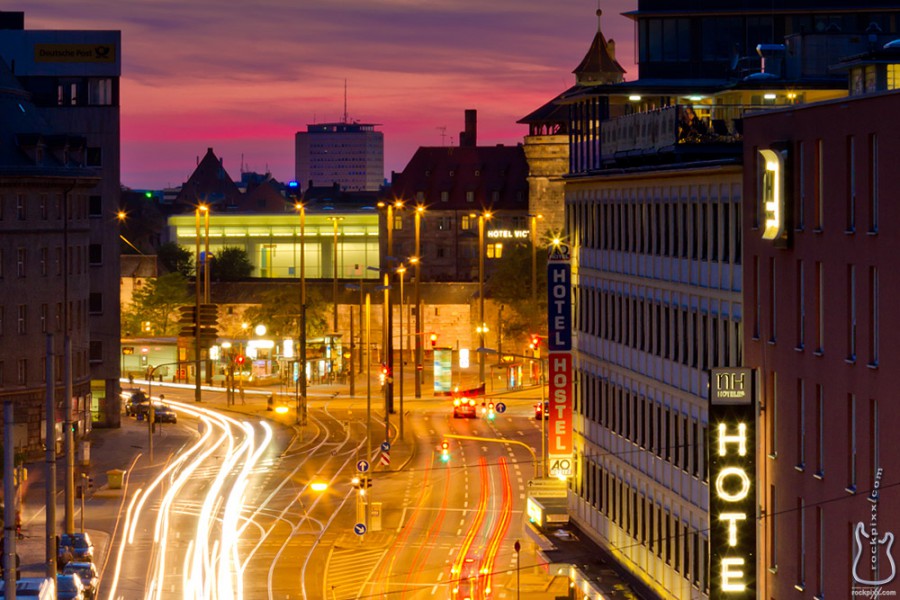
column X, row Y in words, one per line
column 443, row 131
column 345, row 101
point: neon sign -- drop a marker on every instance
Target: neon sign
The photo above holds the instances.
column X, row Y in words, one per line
column 732, row 489
column 559, row 361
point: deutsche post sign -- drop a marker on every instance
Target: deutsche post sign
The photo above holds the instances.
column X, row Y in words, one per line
column 732, row 485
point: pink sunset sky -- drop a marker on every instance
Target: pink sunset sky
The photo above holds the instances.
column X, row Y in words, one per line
column 242, row 77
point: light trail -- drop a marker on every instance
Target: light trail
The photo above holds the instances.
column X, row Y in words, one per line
column 456, row 574
column 499, row 532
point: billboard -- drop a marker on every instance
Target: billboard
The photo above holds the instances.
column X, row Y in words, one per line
column 731, row 448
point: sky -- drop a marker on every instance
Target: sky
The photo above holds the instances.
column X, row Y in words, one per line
column 243, row 76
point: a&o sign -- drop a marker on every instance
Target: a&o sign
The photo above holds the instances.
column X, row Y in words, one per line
column 732, row 485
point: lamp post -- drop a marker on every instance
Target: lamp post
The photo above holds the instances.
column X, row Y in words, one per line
column 401, row 270
column 201, row 208
column 389, row 316
column 334, row 270
column 301, row 375
column 484, row 216
column 534, row 219
column 416, row 260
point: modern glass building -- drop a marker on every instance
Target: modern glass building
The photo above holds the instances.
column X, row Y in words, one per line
column 274, row 242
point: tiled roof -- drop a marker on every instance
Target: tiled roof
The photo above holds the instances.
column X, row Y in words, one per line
column 209, row 183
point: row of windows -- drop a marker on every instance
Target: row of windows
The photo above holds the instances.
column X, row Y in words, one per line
column 77, row 265
column 24, row 377
column 859, row 160
column 76, row 309
column 694, row 339
column 23, row 207
column 651, row 525
column 858, row 306
column 470, row 196
column 696, row 230
column 674, row 437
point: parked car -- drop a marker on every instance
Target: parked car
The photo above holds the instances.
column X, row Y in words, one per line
column 79, row 545
column 32, row 587
column 163, row 413
column 540, row 411
column 69, row 587
column 137, row 404
column 88, row 575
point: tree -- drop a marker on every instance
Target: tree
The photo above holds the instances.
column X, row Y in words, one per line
column 175, row 259
column 509, row 283
column 157, row 303
column 230, row 264
column 279, row 311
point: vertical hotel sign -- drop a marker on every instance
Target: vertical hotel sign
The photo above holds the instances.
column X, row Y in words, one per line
column 732, row 485
column 559, row 360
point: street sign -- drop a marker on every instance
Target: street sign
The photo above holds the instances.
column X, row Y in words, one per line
column 385, row 446
column 500, row 407
column 359, row 529
column 362, row 466
column 385, row 458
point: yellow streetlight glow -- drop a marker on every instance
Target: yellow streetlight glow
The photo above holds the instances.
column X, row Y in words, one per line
column 281, row 409
column 318, row 486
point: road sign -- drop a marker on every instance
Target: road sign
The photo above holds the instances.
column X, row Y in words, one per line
column 385, row 458
column 362, row 466
column 359, row 529
column 385, row 446
column 500, row 407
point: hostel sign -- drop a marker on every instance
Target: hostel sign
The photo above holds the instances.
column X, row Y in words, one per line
column 732, row 485
column 559, row 361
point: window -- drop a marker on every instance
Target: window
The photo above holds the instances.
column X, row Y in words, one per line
column 95, row 254
column 851, row 185
column 801, row 201
column 801, row 544
column 44, row 259
column 773, row 530
column 1, row 320
column 466, row 222
column 801, row 425
column 95, row 303
column 494, row 250
column 773, row 300
column 470, row 196
column 95, row 206
column 21, row 257
column 22, row 371
column 801, row 306
column 94, row 157
column 820, row 432
column 820, row 308
column 21, row 318
column 100, row 92
column 45, row 209
column 851, row 442
column 445, row 196
column 818, row 184
column 43, row 318
column 873, row 183
column 96, row 351
column 20, row 207
column 851, row 310
column 398, row 222
column 874, row 318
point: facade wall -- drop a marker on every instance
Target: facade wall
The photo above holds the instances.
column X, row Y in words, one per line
column 548, row 161
column 43, row 269
column 657, row 279
column 818, row 330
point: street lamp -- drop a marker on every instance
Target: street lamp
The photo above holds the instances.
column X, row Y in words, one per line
column 484, row 216
column 201, row 208
column 334, row 269
column 301, row 375
column 534, row 219
column 416, row 260
column 389, row 316
column 401, row 270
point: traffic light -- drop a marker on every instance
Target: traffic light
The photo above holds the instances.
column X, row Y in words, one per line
column 239, row 359
column 361, row 483
column 445, row 451
column 433, row 340
column 535, row 341
column 490, row 414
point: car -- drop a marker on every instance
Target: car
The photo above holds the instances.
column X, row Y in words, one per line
column 69, row 587
column 32, row 587
column 79, row 545
column 464, row 407
column 137, row 404
column 88, row 575
column 163, row 413
column 541, row 411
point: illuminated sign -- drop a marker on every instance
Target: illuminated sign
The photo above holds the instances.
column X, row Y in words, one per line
column 559, row 299
column 773, row 196
column 443, row 371
column 732, row 485
column 559, row 361
column 507, row 234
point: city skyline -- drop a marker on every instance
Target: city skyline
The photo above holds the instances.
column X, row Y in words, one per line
column 464, row 53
